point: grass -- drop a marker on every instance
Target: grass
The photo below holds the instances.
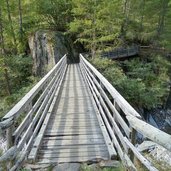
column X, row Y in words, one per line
column 86, row 167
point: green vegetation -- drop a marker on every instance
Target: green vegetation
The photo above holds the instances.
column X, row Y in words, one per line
column 143, row 82
column 86, row 167
column 106, row 24
column 20, row 81
column 98, row 26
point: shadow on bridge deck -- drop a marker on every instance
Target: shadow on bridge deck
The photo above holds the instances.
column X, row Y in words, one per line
column 73, row 133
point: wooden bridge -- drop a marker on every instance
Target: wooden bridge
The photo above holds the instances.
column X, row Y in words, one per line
column 122, row 52
column 73, row 114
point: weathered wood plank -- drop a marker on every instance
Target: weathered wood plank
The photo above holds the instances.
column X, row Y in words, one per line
column 80, row 130
column 77, row 138
column 72, row 124
column 71, row 155
column 73, row 147
column 73, row 117
column 74, row 150
column 73, row 159
column 72, row 142
column 72, row 133
column 59, row 127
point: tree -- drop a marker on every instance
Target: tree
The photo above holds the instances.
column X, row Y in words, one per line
column 56, row 13
column 3, row 65
column 11, row 23
column 20, row 21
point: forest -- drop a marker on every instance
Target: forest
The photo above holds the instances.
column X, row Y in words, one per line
column 98, row 26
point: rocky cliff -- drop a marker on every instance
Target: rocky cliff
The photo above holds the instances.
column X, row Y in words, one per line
column 47, row 47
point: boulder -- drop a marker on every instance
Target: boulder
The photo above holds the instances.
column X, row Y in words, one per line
column 67, row 167
column 161, row 154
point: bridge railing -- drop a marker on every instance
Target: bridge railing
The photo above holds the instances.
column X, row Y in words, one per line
column 121, row 52
column 121, row 120
column 32, row 110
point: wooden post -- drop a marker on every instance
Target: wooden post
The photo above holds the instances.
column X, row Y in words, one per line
column 133, row 141
column 10, row 143
column 9, row 137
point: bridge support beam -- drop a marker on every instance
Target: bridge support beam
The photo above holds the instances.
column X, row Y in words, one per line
column 133, row 141
column 10, row 143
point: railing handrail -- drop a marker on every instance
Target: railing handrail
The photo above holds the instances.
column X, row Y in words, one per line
column 15, row 111
column 119, row 128
column 133, row 117
column 115, row 94
column 40, row 101
column 134, row 49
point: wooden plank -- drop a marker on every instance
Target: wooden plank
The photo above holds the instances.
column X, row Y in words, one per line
column 72, row 150
column 75, row 100
column 74, row 117
column 73, row 159
column 70, row 155
column 70, row 103
column 72, row 147
column 72, row 142
column 72, row 133
column 76, row 120
column 73, row 123
column 75, row 137
column 74, row 130
column 74, row 109
column 66, row 127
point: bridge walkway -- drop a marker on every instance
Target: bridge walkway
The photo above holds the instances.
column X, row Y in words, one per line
column 74, row 131
column 73, row 114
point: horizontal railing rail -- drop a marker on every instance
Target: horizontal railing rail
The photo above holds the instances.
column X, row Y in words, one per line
column 121, row 120
column 29, row 114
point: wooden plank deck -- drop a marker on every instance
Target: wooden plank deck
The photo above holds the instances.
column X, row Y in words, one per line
column 74, row 132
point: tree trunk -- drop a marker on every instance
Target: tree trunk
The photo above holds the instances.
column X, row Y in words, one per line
column 142, row 6
column 11, row 25
column 126, row 17
column 93, row 46
column 2, row 47
column 162, row 16
column 20, row 21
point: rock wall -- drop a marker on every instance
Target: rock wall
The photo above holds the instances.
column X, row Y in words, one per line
column 47, row 47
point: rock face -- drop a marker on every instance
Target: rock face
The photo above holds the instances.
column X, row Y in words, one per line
column 47, row 47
